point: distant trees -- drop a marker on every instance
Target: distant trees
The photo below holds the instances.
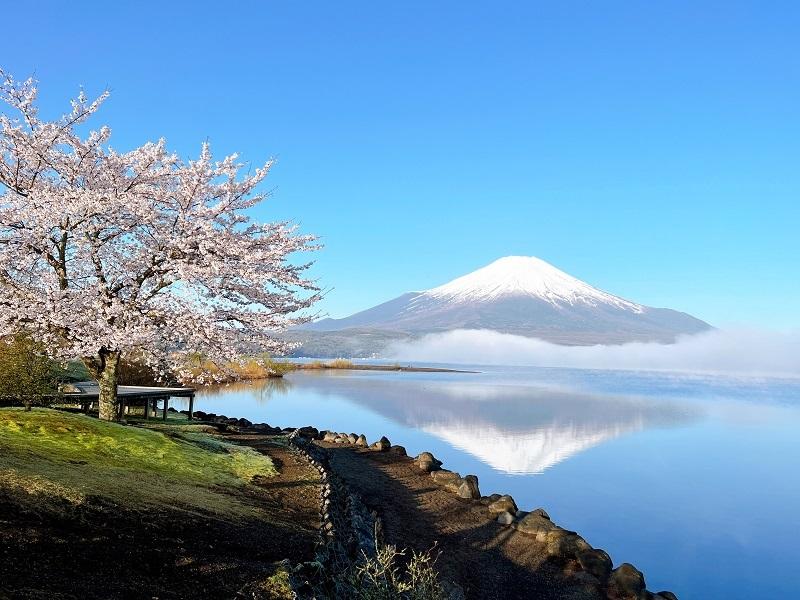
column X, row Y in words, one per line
column 105, row 253
column 27, row 374
column 134, row 370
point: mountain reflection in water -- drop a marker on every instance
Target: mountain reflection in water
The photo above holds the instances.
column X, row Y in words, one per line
column 511, row 428
column 673, row 472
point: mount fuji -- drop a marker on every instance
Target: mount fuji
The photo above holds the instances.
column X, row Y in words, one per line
column 521, row 295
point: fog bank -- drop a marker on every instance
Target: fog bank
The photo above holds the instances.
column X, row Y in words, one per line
column 745, row 352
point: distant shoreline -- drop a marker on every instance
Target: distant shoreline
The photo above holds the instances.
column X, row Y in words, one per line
column 358, row 367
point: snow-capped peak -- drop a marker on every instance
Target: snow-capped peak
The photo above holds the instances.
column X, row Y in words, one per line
column 525, row 276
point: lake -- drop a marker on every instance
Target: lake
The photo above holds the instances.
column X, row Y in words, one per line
column 694, row 479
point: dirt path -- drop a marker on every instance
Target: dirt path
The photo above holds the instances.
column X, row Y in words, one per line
column 489, row 561
column 100, row 550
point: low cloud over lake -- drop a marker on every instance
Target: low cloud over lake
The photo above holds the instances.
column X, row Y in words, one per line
column 746, row 352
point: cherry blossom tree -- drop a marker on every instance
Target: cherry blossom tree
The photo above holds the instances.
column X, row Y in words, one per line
column 105, row 252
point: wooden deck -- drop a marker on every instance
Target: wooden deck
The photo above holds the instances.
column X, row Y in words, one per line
column 132, row 395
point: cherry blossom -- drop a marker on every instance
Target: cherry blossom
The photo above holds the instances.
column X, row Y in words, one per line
column 103, row 252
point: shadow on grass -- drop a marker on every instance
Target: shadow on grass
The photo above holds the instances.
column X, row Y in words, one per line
column 98, row 551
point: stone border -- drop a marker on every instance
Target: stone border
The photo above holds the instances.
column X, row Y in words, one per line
column 596, row 566
column 349, row 527
column 345, row 517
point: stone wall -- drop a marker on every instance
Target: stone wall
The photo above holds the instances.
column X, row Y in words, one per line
column 348, row 528
column 624, row 582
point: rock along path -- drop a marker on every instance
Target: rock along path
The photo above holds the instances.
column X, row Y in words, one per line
column 486, row 559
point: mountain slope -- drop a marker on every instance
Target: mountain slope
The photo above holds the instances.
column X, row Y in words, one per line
column 524, row 296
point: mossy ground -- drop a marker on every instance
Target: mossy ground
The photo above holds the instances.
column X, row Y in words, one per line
column 90, row 509
column 56, row 456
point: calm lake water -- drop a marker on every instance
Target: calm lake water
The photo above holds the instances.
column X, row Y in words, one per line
column 693, row 479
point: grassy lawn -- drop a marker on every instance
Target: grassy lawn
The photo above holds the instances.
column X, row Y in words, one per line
column 49, row 457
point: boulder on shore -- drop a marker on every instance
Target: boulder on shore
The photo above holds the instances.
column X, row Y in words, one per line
column 398, row 450
column 362, row 441
column 427, row 462
column 503, row 504
column 596, row 562
column 329, row 436
column 562, row 543
column 536, row 525
column 626, row 581
column 505, row 518
column 469, row 488
column 447, row 479
column 308, row 431
column 264, row 428
column 541, row 512
column 382, row 444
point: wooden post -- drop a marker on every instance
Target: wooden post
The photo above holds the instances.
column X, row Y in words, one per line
column 146, row 409
column 191, row 405
column 166, row 407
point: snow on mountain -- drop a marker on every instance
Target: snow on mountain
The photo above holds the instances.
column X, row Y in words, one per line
column 522, row 295
column 525, row 276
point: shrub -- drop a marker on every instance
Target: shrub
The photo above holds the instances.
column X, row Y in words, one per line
column 336, row 363
column 340, row 363
column 262, row 366
column 387, row 575
column 381, row 577
column 271, row 368
column 27, row 375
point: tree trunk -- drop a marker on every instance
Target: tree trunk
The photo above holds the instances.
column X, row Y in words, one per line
column 107, row 378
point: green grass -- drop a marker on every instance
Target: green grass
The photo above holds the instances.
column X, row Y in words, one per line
column 275, row 587
column 52, row 456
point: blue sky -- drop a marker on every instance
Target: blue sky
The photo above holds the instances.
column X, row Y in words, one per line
column 651, row 149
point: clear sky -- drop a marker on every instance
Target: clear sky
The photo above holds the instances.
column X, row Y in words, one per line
column 651, row 149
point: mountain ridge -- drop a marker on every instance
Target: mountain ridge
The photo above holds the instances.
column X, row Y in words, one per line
column 522, row 296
